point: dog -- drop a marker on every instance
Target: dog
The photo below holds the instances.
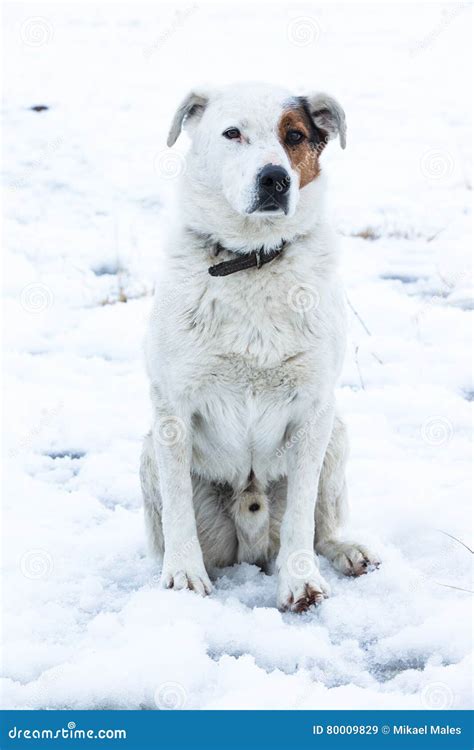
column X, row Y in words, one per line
column 245, row 458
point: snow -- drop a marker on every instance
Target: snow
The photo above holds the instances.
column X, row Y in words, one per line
column 89, row 196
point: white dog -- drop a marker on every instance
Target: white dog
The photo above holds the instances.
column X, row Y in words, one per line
column 245, row 459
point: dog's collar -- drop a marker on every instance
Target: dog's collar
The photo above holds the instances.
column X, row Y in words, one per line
column 257, row 259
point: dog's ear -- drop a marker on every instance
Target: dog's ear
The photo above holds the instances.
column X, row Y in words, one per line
column 192, row 107
column 328, row 116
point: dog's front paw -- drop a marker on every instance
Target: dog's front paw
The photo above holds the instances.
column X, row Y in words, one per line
column 186, row 575
column 298, row 595
column 300, row 583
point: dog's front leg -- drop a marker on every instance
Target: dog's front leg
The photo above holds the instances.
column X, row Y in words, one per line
column 183, row 564
column 300, row 582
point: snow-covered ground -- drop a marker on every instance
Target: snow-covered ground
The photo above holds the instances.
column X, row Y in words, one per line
column 89, row 188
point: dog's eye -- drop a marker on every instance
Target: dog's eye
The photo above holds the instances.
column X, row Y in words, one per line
column 231, row 133
column 294, row 136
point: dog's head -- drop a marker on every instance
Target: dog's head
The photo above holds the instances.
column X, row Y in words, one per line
column 257, row 146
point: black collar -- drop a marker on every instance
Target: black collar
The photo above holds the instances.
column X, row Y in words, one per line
column 257, row 258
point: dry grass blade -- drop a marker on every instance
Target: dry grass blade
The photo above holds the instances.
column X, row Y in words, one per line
column 457, row 588
column 358, row 316
column 456, row 540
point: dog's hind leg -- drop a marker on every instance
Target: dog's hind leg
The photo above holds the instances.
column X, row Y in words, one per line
column 151, row 498
column 331, row 509
column 215, row 527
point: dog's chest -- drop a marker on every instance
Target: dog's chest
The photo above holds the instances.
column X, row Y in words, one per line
column 254, row 334
column 255, row 356
column 252, row 370
column 264, row 319
column 241, row 415
column 248, row 354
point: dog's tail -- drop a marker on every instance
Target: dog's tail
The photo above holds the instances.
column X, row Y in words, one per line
column 251, row 514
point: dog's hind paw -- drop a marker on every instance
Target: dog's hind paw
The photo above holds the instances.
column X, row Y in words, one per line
column 189, row 577
column 349, row 558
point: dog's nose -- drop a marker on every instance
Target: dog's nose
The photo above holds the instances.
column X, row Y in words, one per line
column 275, row 181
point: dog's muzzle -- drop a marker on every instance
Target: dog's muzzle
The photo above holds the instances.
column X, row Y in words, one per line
column 273, row 184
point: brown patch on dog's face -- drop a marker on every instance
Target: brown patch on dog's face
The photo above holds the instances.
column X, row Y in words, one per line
column 301, row 141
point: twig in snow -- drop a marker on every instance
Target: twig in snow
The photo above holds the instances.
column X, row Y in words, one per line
column 457, row 588
column 446, row 585
column 356, row 355
column 456, row 540
column 375, row 356
column 435, row 235
column 358, row 316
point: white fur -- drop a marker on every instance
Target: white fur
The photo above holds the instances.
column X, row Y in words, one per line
column 243, row 369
